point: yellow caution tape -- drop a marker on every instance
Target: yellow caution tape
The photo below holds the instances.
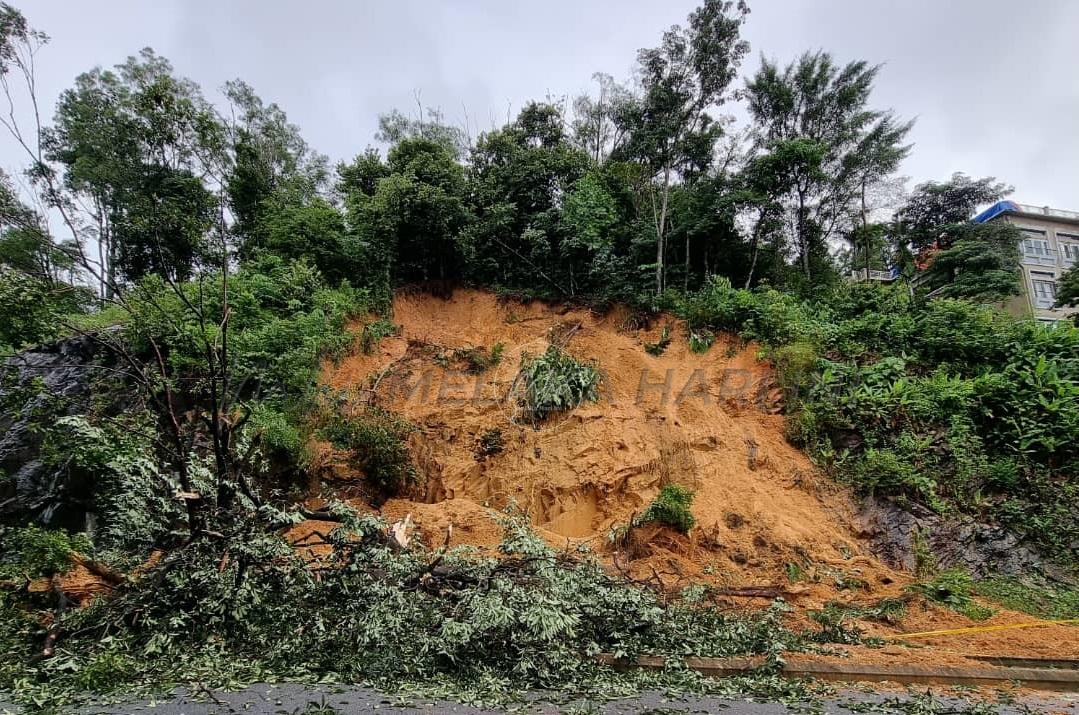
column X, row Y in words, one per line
column 985, row 629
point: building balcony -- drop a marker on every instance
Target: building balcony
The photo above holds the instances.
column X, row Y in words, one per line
column 873, row 275
column 1040, row 259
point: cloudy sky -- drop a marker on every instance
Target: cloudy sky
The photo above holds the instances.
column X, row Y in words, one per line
column 993, row 84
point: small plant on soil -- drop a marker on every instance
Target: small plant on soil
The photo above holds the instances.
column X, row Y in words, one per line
column 671, row 507
column 835, row 625
column 953, row 588
column 374, row 332
column 556, row 381
column 701, row 340
column 480, row 359
column 490, row 443
column 659, row 347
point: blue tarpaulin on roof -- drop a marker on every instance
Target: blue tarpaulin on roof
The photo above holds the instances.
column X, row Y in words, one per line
column 995, row 210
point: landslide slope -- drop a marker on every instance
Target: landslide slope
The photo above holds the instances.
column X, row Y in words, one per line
column 709, row 422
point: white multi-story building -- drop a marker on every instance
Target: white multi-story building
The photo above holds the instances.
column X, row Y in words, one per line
column 1050, row 246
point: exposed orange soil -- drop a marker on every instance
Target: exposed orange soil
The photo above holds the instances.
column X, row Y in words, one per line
column 709, row 422
column 79, row 585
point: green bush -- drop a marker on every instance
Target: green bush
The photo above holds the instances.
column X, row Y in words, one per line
column 953, row 588
column 700, row 341
column 660, row 346
column 479, row 359
column 375, row 441
column 374, row 332
column 556, row 381
column 953, row 405
column 32, row 551
column 671, row 507
column 34, row 311
column 796, row 367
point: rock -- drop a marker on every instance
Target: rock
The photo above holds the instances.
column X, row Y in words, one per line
column 43, row 384
column 956, row 541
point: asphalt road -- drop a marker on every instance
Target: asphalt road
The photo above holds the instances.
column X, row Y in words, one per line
column 295, row 699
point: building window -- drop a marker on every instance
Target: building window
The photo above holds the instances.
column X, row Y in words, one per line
column 1036, row 249
column 1045, row 293
column 1069, row 252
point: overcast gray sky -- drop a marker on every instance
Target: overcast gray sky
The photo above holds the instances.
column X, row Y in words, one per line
column 993, row 84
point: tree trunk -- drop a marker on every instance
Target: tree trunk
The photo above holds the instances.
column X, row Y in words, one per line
column 685, row 275
column 865, row 232
column 661, row 230
column 803, row 240
column 756, row 249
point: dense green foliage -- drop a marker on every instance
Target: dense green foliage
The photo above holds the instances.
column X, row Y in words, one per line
column 954, row 589
column 954, row 406
column 375, row 443
column 1030, row 596
column 31, row 551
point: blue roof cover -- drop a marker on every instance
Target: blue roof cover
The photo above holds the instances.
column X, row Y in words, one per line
column 995, row 210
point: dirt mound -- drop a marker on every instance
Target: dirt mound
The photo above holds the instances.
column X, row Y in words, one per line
column 707, row 421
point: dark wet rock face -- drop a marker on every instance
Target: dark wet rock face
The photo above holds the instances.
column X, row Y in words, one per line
column 37, row 387
column 983, row 549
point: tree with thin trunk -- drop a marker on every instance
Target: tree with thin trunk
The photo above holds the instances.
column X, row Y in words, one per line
column 668, row 126
column 814, row 117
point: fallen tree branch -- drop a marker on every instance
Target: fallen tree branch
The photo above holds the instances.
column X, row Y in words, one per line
column 751, row 591
column 54, row 628
column 99, row 569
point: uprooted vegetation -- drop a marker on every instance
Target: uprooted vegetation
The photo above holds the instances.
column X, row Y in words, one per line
column 670, row 507
column 555, row 382
column 248, row 609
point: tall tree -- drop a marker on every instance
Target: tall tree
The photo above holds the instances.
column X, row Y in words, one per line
column 429, row 123
column 268, row 155
column 138, row 145
column 979, row 261
column 813, row 115
column 519, row 175
column 935, row 205
column 410, row 222
column 669, row 128
column 595, row 126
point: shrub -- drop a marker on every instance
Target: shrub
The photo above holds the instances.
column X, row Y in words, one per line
column 34, row 310
column 32, row 551
column 796, row 366
column 953, row 588
column 375, row 441
column 374, row 332
column 671, row 507
column 479, row 359
column 700, row 341
column 556, row 381
column 659, row 347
